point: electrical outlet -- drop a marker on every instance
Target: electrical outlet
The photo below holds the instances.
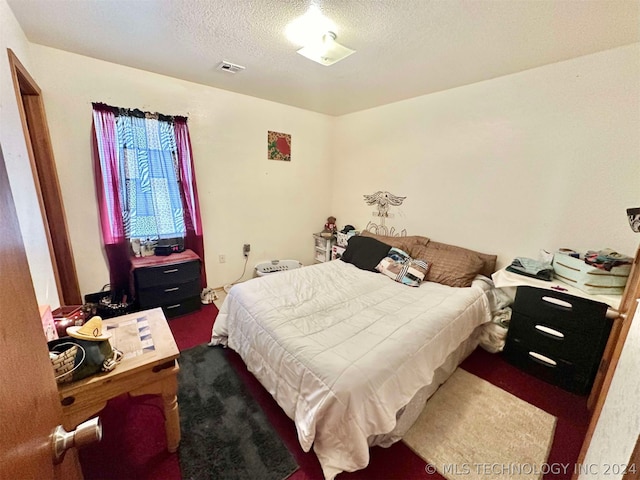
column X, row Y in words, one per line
column 222, row 258
column 246, row 248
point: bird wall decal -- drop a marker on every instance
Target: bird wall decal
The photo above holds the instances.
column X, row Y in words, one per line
column 383, row 200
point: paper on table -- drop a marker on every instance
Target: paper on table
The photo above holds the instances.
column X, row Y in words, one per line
column 132, row 337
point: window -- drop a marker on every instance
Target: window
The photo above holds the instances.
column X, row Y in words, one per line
column 148, row 168
column 145, row 184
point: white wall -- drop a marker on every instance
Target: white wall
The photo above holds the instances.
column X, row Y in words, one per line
column 244, row 198
column 18, row 164
column 546, row 158
column 619, row 424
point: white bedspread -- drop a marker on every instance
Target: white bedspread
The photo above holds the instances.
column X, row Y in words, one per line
column 342, row 350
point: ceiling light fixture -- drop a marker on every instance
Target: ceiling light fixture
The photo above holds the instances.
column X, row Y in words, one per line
column 316, row 34
column 326, row 51
column 308, row 28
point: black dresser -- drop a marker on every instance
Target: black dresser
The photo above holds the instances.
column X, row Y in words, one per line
column 171, row 282
column 557, row 337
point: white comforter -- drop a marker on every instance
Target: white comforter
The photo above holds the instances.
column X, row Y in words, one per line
column 342, row 349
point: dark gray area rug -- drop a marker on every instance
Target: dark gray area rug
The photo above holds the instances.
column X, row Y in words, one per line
column 225, row 434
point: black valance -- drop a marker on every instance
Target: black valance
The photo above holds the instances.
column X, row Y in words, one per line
column 134, row 112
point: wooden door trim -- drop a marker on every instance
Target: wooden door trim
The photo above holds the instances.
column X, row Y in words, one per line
column 628, row 306
column 45, row 176
column 633, row 465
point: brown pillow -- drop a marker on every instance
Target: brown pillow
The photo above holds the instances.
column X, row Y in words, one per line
column 450, row 265
column 403, row 243
column 489, row 261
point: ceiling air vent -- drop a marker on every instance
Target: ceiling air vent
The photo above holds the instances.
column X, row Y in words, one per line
column 230, row 67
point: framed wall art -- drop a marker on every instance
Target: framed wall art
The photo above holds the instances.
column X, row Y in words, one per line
column 278, row 146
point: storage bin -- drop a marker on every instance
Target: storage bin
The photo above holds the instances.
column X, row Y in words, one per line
column 575, row 272
column 343, row 238
column 320, row 241
column 275, row 266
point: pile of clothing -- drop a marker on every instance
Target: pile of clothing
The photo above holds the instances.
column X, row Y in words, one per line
column 540, row 269
column 606, row 259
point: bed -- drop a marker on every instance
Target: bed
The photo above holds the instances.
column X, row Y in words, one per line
column 351, row 355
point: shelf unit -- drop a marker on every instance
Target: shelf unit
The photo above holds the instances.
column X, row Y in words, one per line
column 323, row 247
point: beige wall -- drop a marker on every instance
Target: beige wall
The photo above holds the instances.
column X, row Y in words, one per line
column 18, row 164
column 244, row 198
column 542, row 159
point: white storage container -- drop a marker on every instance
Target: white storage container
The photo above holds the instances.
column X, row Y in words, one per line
column 323, row 247
column 343, row 238
column 575, row 272
column 275, row 266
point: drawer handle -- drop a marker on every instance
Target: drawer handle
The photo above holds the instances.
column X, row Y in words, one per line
column 556, row 302
column 171, row 289
column 173, row 270
column 550, row 331
column 172, row 306
column 546, row 361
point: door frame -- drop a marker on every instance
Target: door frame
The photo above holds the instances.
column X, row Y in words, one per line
column 627, row 310
column 45, row 176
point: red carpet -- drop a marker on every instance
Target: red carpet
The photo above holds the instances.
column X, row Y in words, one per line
column 134, row 445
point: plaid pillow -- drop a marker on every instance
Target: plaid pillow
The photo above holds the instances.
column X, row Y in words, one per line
column 399, row 266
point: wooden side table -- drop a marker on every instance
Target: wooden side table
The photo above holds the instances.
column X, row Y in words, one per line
column 149, row 366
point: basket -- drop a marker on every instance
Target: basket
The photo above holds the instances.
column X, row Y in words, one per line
column 589, row 279
column 63, row 360
column 275, row 266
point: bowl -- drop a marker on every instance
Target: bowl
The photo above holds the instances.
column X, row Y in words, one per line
column 634, row 218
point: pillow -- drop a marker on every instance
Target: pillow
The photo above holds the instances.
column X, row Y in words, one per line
column 399, row 266
column 489, row 261
column 365, row 252
column 403, row 243
column 451, row 265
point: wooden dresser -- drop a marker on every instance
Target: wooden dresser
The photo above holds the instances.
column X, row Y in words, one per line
column 171, row 282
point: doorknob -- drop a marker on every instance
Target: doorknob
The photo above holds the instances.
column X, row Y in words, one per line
column 84, row 434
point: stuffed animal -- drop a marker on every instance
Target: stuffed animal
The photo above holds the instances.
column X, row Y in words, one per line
column 330, row 226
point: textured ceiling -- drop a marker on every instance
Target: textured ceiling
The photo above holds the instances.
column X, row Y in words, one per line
column 404, row 48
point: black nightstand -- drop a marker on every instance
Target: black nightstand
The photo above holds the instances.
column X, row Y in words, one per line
column 171, row 282
column 557, row 337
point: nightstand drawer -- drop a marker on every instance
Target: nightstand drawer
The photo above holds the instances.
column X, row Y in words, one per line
column 167, row 275
column 576, row 347
column 167, row 294
column 560, row 311
column 549, row 368
column 182, row 307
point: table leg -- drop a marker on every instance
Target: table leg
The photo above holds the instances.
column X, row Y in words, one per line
column 171, row 421
column 167, row 387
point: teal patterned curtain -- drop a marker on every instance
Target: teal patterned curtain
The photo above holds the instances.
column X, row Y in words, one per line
column 150, row 195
